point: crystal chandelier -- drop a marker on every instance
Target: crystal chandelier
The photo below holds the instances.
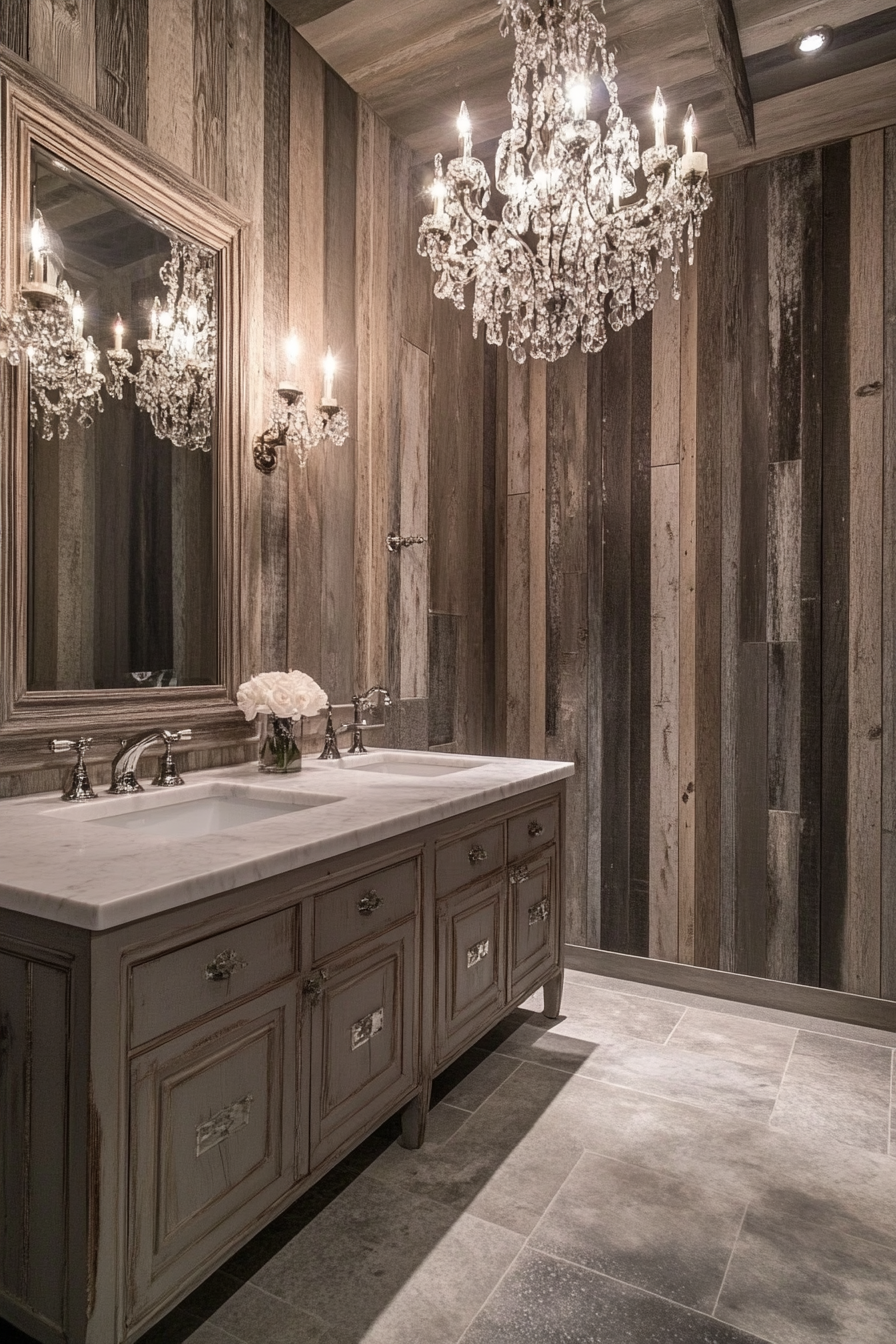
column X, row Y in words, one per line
column 175, row 383
column 571, row 251
column 46, row 327
column 290, row 425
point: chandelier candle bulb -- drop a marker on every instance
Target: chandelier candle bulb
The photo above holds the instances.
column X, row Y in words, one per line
column 465, row 133
column 328, row 400
column 659, row 119
column 579, row 98
column 693, row 163
column 78, row 317
column 118, row 333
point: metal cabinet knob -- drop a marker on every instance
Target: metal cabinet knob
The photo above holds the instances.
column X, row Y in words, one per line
column 519, row 874
column 535, row 828
column 369, row 902
column 224, row 965
column 313, row 987
column 477, row 854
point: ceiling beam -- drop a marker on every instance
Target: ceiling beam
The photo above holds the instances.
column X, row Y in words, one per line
column 724, row 43
column 298, row 12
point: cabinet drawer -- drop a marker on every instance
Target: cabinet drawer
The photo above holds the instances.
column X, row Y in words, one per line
column 362, row 1039
column 470, row 959
column 213, row 1141
column 533, row 829
column 365, row 907
column 171, row 991
column 463, row 861
column 534, row 947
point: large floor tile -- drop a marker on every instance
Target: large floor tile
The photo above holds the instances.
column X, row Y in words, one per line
column 253, row 1316
column 739, row 1039
column 836, row 1089
column 611, row 1016
column 386, row 1266
column 801, row 1283
column 468, row 1087
column 644, row 1228
column 548, row 1301
column 507, row 1162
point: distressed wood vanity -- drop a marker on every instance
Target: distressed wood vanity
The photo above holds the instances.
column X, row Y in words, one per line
column 169, row 1083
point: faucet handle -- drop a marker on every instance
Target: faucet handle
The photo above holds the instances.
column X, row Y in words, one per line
column 79, row 786
column 168, row 776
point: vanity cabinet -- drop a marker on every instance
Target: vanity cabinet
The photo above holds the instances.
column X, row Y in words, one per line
column 214, row 1060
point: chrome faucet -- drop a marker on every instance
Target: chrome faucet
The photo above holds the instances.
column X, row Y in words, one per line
column 362, row 703
column 124, row 767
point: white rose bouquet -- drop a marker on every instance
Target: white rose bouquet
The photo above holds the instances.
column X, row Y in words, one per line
column 284, row 695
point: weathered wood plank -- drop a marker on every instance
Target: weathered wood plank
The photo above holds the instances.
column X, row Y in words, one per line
column 616, row 643
column 488, row 488
column 337, row 503
column 665, row 418
column 275, row 546
column 443, row 653
column 786, row 212
column 687, row 652
column 784, row 591
column 752, row 827
column 296, row 500
column 782, row 896
column 862, row 959
column 731, row 206
column 122, row 54
column 62, row 44
column 835, row 550
column 245, row 190
column 414, row 447
column 537, row 558
column 14, row 26
column 517, row 570
column 210, row 94
column 664, row 698
column 888, row 652
column 501, row 586
column 594, row 463
column 784, row 727
column 169, row 87
column 640, row 782
column 754, row 459
column 707, row 777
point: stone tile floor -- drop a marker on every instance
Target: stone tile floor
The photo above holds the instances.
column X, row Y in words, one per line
column 653, row 1168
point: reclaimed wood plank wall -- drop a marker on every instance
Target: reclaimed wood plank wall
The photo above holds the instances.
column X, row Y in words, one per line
column 235, row 98
column 694, row 570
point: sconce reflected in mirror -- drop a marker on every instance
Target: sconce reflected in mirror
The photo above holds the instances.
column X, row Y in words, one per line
column 290, row 425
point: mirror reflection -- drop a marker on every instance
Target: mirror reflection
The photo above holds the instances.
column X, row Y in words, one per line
column 121, row 346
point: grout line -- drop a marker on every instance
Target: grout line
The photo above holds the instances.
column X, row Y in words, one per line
column 466, row 1330
column 675, row 1028
column 781, row 1084
column 648, row 1292
column 730, row 1258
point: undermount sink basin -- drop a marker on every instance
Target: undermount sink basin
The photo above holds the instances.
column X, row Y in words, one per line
column 407, row 763
column 195, row 810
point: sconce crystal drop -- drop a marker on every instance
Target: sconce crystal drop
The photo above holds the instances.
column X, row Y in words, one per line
column 569, row 254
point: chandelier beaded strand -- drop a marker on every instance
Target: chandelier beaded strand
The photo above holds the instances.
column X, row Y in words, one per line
column 571, row 253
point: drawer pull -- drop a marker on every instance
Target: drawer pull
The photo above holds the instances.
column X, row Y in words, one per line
column 535, row 829
column 214, row 1131
column 224, row 965
column 313, row 987
column 369, row 902
column 369, row 1026
column 538, row 914
column 478, row 854
column 478, row 952
column 519, row 874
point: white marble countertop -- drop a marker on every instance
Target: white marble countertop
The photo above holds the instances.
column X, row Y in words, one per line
column 63, row 861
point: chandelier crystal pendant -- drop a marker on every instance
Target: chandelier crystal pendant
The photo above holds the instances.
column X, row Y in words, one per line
column 571, row 252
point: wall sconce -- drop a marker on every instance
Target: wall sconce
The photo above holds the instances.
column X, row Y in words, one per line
column 46, row 327
column 290, row 425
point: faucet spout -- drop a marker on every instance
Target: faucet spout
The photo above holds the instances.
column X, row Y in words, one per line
column 124, row 767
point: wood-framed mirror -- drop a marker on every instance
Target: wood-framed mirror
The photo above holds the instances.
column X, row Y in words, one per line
column 120, row 464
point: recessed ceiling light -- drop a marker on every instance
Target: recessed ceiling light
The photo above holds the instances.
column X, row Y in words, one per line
column 814, row 41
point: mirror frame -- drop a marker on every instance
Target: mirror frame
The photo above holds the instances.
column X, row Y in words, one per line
column 34, row 112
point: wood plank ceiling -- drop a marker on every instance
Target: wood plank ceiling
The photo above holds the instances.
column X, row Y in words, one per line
column 413, row 61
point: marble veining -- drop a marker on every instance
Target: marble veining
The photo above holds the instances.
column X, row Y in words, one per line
column 62, row 867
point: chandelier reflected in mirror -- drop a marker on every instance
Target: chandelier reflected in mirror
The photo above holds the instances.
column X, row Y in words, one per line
column 575, row 248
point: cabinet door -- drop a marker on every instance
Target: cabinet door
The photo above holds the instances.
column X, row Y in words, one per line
column 213, row 1142
column 363, row 1046
column 470, row 960
column 534, row 926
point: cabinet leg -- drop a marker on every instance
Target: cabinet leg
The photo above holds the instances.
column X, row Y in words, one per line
column 413, row 1118
column 553, row 991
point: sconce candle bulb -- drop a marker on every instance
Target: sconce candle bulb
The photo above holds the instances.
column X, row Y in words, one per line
column 118, row 332
column 328, row 399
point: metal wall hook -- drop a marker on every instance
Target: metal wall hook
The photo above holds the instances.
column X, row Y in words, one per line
column 395, row 541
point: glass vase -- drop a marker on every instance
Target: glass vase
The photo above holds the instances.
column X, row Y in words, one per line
column 280, row 746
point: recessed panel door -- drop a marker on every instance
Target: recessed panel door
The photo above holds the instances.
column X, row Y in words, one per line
column 470, row 964
column 533, row 921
